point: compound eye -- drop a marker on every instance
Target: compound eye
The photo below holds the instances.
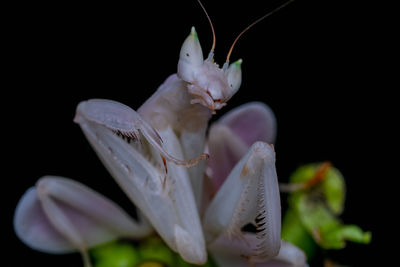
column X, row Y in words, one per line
column 191, row 57
column 234, row 77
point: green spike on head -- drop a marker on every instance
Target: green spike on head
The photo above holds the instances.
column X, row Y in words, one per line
column 238, row 63
column 193, row 33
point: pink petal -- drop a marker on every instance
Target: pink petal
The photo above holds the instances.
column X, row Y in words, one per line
column 252, row 122
column 232, row 135
column 225, row 150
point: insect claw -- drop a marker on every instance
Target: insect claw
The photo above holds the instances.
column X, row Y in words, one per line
column 193, row 162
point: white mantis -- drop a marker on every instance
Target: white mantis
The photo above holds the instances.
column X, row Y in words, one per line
column 156, row 154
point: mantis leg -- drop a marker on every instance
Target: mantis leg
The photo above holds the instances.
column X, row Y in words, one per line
column 165, row 197
column 250, row 194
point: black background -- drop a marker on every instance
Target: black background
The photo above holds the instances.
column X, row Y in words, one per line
column 312, row 62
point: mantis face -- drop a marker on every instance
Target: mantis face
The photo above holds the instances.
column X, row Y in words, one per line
column 207, row 83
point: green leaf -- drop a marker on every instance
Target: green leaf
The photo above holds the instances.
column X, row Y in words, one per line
column 322, row 224
column 294, row 232
column 315, row 208
column 332, row 183
column 334, row 190
column 315, row 216
column 336, row 238
column 303, row 174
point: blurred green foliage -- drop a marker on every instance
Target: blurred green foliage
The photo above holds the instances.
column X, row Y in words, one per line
column 312, row 219
column 150, row 252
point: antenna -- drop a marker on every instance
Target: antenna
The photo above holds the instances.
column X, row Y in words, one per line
column 211, row 55
column 252, row 24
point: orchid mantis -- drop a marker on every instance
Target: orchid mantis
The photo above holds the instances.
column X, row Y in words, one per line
column 157, row 156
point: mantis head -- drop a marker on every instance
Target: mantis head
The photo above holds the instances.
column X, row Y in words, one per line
column 208, row 84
